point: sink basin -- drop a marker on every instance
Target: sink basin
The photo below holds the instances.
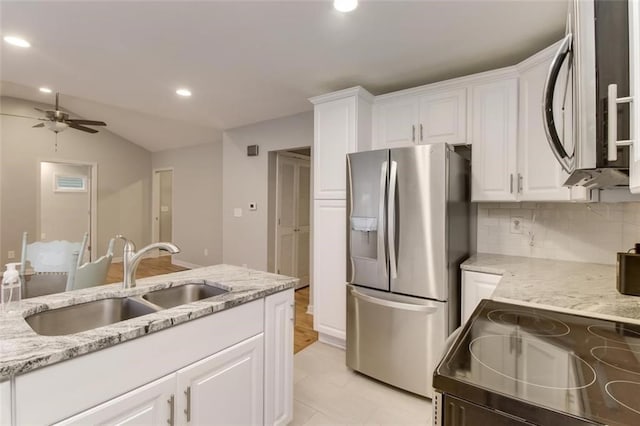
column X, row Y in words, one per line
column 86, row 316
column 179, row 295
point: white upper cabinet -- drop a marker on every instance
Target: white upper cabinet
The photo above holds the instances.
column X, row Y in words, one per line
column 494, row 135
column 342, row 124
column 425, row 116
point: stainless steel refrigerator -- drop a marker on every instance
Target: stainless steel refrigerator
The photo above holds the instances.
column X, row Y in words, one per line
column 408, row 219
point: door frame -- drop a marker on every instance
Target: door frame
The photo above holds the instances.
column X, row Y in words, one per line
column 93, row 199
column 288, row 154
column 155, row 204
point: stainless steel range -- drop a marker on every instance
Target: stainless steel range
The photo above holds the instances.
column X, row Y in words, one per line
column 512, row 364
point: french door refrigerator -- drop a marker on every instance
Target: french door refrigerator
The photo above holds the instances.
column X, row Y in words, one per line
column 408, row 232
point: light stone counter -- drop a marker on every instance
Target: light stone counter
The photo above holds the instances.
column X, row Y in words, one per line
column 22, row 350
column 574, row 287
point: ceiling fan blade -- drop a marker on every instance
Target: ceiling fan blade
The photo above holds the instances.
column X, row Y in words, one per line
column 39, row 109
column 84, row 129
column 39, row 125
column 86, row 122
column 23, row 116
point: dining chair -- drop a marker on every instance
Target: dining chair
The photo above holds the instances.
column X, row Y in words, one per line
column 51, row 256
column 91, row 273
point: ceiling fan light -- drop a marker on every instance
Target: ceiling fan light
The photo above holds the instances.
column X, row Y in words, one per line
column 17, row 41
column 183, row 92
column 56, row 126
column 345, row 5
column 45, row 90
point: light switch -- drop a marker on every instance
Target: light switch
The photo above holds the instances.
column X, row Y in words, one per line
column 237, row 212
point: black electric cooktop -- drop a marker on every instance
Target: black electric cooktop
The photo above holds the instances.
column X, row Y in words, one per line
column 545, row 367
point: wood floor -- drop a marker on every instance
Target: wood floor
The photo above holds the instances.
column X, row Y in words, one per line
column 304, row 335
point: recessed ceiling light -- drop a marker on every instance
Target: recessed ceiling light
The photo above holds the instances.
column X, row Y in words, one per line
column 17, row 41
column 345, row 5
column 184, row 92
column 45, row 90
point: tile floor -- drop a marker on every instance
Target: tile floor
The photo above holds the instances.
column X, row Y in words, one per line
column 326, row 392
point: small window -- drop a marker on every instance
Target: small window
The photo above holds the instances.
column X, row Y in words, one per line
column 70, row 183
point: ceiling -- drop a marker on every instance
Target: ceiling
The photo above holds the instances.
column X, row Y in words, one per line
column 248, row 61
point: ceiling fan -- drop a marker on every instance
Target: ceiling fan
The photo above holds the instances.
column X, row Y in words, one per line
column 58, row 121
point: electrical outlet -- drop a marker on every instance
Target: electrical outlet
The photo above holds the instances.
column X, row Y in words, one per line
column 206, row 252
column 11, row 254
column 237, row 212
column 516, row 225
column 244, row 265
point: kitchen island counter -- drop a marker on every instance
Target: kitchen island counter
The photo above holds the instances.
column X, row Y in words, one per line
column 22, row 350
column 574, row 287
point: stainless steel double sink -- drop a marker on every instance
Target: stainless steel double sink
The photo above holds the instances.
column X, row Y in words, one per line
column 90, row 315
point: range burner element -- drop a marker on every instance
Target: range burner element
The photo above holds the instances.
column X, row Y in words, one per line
column 533, row 323
column 514, row 350
column 619, row 333
column 624, row 393
column 620, row 358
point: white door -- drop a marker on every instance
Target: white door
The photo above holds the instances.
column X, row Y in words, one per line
column 65, row 203
column 494, row 138
column 225, row 388
column 278, row 381
column 443, row 117
column 162, row 205
column 293, row 217
column 540, row 176
column 151, row 404
column 397, row 122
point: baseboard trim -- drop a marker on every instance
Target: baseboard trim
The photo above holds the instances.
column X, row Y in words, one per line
column 333, row 341
column 185, row 264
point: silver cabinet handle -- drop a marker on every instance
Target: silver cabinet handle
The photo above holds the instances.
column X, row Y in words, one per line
column 394, row 304
column 413, row 133
column 511, row 183
column 382, row 251
column 565, row 160
column 520, row 179
column 421, row 132
column 172, row 410
column 391, row 219
column 612, row 122
column 187, row 410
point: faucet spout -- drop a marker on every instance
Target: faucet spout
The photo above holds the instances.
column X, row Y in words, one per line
column 131, row 258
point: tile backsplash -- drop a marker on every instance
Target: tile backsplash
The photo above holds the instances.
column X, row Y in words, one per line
column 565, row 231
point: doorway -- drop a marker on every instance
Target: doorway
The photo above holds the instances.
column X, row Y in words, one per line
column 162, row 206
column 66, row 203
column 293, row 180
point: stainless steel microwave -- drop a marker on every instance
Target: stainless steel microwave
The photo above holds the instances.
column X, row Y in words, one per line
column 586, row 121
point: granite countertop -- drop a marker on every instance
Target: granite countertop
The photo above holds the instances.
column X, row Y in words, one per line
column 574, row 287
column 22, row 350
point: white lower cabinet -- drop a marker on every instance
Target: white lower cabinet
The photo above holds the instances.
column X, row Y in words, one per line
column 151, row 404
column 475, row 287
column 224, row 389
column 231, row 368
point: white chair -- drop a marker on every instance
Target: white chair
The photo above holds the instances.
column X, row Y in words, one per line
column 91, row 273
column 50, row 256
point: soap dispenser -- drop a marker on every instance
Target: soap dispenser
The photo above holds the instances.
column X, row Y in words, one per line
column 11, row 285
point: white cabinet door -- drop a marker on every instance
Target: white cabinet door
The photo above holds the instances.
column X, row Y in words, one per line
column 329, row 269
column 152, row 404
column 443, row 117
column 278, row 358
column 494, row 136
column 335, row 136
column 540, row 176
column 475, row 287
column 225, row 388
column 397, row 122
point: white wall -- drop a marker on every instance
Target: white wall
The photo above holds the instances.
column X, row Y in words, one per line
column 245, row 180
column 564, row 231
column 197, row 196
column 124, row 177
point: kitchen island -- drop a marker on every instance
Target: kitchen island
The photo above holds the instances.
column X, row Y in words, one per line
column 573, row 287
column 227, row 358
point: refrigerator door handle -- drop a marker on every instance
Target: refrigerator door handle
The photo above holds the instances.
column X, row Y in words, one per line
column 391, row 219
column 382, row 250
column 393, row 304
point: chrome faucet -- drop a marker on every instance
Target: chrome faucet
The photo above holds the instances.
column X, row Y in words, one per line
column 131, row 259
